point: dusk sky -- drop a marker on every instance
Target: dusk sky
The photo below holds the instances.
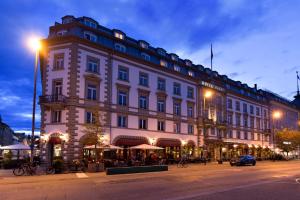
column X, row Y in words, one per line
column 253, row 41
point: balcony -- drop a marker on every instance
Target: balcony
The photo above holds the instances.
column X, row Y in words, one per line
column 56, row 101
column 222, row 124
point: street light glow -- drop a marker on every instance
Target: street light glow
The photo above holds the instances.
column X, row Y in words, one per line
column 208, row 94
column 277, row 114
column 34, row 43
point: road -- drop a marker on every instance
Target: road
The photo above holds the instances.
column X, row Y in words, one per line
column 267, row 180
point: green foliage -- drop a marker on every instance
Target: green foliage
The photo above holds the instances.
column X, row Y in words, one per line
column 287, row 140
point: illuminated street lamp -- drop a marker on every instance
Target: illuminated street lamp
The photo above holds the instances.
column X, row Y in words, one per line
column 276, row 115
column 35, row 45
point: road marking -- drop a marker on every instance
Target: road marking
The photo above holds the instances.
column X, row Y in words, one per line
column 298, row 180
column 81, row 175
column 281, row 176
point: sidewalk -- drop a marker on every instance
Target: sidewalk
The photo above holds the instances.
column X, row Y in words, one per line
column 6, row 173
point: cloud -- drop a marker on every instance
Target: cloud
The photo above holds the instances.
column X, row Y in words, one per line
column 8, row 99
column 291, row 70
column 257, row 78
column 235, row 74
column 28, row 116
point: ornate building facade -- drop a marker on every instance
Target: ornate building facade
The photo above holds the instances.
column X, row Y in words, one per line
column 145, row 95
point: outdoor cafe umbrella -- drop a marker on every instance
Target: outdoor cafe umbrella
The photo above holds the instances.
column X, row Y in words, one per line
column 17, row 147
column 146, row 147
column 108, row 146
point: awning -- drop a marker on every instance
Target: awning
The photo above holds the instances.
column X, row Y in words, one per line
column 146, row 146
column 16, row 147
column 55, row 140
column 168, row 142
column 109, row 146
column 130, row 141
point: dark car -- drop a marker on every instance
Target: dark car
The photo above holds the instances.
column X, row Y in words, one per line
column 243, row 160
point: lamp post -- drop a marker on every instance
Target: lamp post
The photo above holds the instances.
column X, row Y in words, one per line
column 207, row 94
column 35, row 46
column 276, row 115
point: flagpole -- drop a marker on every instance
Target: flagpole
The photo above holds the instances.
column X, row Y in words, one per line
column 297, row 83
column 211, row 56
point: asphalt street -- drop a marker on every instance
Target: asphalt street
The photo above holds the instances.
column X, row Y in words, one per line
column 266, row 180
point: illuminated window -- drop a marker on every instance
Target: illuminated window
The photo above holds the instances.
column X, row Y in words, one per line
column 177, row 68
column 119, row 35
column 163, row 63
column 191, row 73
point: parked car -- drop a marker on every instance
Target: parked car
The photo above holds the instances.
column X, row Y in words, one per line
column 243, row 160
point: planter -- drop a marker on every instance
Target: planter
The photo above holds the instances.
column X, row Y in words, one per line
column 136, row 169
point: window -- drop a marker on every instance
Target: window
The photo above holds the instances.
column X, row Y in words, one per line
column 190, row 111
column 163, row 63
column 258, row 123
column 122, row 98
column 177, row 68
column 246, row 135
column 177, row 127
column 177, row 109
column 229, row 103
column 238, row 135
column 62, row 33
column 58, row 62
column 56, row 116
column 245, row 109
column 252, row 122
column 160, row 125
column 90, row 23
column 257, row 111
column 122, row 121
column 245, row 121
column 145, row 56
column 120, row 47
column 91, row 92
column 90, row 36
column 90, row 118
column 251, row 110
column 123, row 74
column 176, row 89
column 143, row 124
column 191, row 73
column 229, row 118
column 161, row 105
column 57, row 88
column 190, row 93
column 161, row 51
column 144, row 44
column 92, row 65
column 143, row 79
column 258, row 136
column 161, row 84
column 237, row 106
column 190, row 129
column 230, row 133
column 174, row 57
column 119, row 35
column 143, row 104
column 252, row 136
column 237, row 120
column 265, row 113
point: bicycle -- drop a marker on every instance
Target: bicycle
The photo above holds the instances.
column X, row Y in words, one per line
column 31, row 169
column 183, row 163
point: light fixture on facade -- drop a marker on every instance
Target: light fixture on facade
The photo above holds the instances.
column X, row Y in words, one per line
column 208, row 94
column 277, row 114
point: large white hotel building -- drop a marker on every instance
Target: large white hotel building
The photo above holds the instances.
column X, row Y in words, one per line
column 146, row 95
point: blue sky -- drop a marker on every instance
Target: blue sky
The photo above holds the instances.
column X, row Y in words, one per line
column 254, row 41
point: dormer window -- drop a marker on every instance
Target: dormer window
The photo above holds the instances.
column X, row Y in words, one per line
column 161, row 51
column 191, row 73
column 90, row 23
column 119, row 35
column 90, row 36
column 61, row 33
column 163, row 63
column 120, row 47
column 174, row 57
column 177, row 68
column 145, row 56
column 67, row 19
column 143, row 44
column 188, row 62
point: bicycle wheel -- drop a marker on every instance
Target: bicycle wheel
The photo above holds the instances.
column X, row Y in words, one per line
column 19, row 171
column 50, row 170
column 179, row 165
column 184, row 165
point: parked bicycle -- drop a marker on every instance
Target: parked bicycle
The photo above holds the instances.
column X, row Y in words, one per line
column 30, row 169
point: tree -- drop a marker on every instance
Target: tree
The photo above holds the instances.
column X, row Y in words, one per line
column 94, row 131
column 287, row 140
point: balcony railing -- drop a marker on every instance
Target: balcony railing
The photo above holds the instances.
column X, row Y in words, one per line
column 48, row 99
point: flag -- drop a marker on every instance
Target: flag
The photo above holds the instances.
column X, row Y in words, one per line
column 297, row 75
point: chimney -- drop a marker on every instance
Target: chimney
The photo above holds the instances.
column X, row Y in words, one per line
column 255, row 86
